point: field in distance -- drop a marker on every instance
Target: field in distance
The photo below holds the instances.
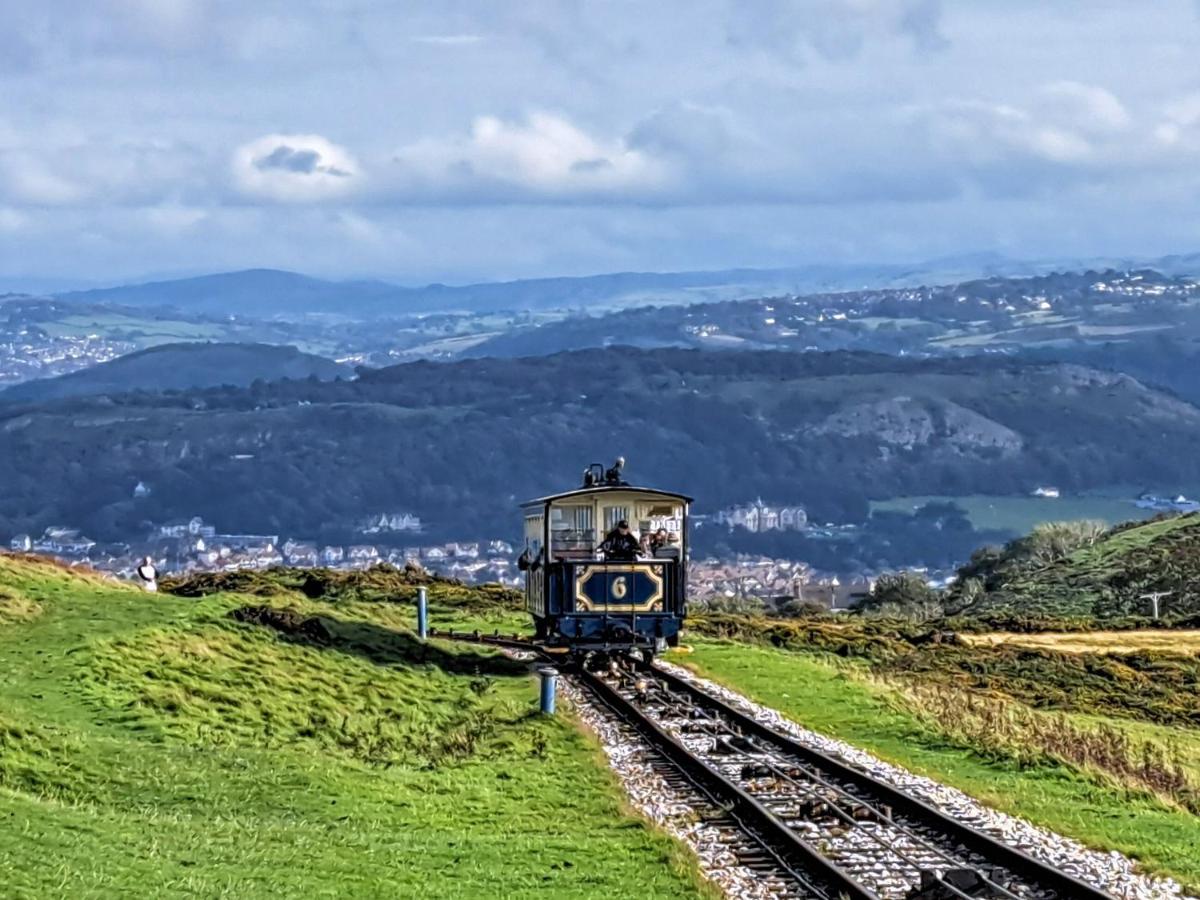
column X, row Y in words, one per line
column 1160, row 639
column 153, row 329
column 1021, row 515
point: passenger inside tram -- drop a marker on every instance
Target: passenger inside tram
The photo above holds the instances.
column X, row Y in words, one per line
column 651, row 530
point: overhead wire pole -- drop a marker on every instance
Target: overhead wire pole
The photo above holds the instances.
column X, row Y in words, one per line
column 1154, row 597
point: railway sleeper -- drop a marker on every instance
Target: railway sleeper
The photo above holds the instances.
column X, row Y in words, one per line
column 729, row 745
column 953, row 884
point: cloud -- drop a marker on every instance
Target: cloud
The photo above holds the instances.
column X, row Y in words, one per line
column 25, row 178
column 64, row 167
column 295, row 168
column 304, row 162
column 1064, row 133
column 834, row 29
column 1179, row 126
column 688, row 129
column 11, row 220
column 1086, row 108
column 448, row 40
column 655, row 123
column 981, row 131
column 542, row 156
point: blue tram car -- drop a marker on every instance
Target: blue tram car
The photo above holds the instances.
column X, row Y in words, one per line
column 606, row 565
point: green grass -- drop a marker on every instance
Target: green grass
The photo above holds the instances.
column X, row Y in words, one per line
column 836, row 698
column 153, row 746
column 1021, row 514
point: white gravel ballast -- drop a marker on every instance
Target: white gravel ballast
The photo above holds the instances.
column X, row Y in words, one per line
column 680, row 811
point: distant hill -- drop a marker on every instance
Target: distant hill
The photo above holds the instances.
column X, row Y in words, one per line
column 1104, row 577
column 270, row 292
column 253, row 292
column 1057, row 312
column 460, row 444
column 177, row 367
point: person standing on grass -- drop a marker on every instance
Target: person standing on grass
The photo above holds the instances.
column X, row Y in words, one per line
column 148, row 575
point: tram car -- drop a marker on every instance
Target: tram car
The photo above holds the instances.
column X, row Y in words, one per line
column 606, row 565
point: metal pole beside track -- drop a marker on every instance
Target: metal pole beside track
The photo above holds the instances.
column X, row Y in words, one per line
column 549, row 677
column 422, row 614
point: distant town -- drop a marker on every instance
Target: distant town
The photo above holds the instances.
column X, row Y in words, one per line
column 192, row 545
column 30, row 352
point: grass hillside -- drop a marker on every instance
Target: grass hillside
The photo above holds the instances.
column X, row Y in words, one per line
column 290, row 742
column 1105, row 575
column 180, row 366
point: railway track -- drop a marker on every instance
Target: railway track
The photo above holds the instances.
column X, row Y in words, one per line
column 809, row 823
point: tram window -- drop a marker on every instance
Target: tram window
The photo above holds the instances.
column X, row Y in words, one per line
column 613, row 515
column 653, row 517
column 533, row 534
column 571, row 531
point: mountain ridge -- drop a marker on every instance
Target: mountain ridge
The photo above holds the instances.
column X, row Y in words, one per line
column 459, row 444
column 179, row 366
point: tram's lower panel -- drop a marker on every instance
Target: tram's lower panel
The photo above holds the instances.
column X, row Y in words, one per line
column 597, row 604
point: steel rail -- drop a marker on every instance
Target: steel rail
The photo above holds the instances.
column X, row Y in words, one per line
column 1017, row 861
column 766, row 825
column 811, row 777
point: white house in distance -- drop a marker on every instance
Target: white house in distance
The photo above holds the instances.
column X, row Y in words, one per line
column 390, row 522
column 759, row 516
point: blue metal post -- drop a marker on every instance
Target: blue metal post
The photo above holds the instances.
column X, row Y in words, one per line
column 549, row 688
column 422, row 614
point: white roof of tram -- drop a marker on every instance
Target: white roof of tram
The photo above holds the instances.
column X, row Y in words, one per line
column 601, row 489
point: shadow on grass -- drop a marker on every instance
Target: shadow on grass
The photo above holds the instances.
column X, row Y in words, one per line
column 380, row 645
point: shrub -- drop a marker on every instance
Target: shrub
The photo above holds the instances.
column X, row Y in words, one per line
column 1002, row 728
column 903, row 595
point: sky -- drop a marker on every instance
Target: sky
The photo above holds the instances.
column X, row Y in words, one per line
column 464, row 140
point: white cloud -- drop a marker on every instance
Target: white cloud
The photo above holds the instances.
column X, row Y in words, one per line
column 175, row 218
column 835, row 29
column 1064, row 130
column 295, row 168
column 11, row 220
column 447, row 40
column 978, row 131
column 25, row 178
column 126, row 122
column 1085, row 107
column 543, row 156
column 1178, row 127
column 168, row 23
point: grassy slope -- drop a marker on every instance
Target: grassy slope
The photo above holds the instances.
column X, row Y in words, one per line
column 153, row 747
column 827, row 696
column 1162, row 640
column 1109, row 577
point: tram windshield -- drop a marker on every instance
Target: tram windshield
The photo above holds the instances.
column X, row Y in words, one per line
column 579, row 526
column 572, row 534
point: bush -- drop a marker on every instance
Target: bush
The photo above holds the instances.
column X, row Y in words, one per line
column 802, row 609
column 746, row 606
column 903, row 595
